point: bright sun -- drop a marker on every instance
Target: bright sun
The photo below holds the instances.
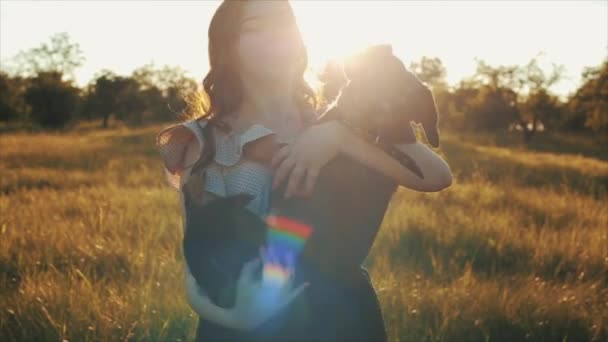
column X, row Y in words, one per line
column 328, row 34
column 501, row 33
column 458, row 32
column 337, row 29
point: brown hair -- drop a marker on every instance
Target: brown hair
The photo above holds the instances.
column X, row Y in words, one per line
column 223, row 90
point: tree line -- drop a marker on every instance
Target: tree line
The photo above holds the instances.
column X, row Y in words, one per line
column 40, row 90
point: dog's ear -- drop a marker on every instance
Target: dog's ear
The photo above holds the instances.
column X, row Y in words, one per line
column 422, row 107
column 429, row 117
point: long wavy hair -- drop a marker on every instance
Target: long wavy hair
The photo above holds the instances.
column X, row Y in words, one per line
column 223, row 89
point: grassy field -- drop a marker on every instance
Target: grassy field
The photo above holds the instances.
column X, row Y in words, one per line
column 515, row 249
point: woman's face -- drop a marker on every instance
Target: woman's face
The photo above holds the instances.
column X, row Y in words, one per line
column 269, row 42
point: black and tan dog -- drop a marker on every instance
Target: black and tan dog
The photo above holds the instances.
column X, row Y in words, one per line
column 346, row 208
column 380, row 101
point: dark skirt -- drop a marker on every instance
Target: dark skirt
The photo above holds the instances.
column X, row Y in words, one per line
column 332, row 308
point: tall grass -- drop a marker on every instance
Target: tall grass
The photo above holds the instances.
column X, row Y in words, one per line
column 516, row 249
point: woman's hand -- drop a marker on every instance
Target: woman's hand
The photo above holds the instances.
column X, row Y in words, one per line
column 305, row 157
column 257, row 301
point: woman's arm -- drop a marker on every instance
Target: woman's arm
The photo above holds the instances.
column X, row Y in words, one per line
column 437, row 173
column 318, row 144
column 198, row 301
column 201, row 304
column 179, row 148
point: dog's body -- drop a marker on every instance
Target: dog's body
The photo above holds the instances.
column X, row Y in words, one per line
column 349, row 200
column 219, row 238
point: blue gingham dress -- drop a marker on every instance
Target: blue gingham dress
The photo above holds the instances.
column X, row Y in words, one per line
column 228, row 173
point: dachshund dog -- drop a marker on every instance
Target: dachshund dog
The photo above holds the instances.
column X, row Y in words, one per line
column 349, row 201
column 380, row 101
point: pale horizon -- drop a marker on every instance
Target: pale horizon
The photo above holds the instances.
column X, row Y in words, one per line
column 122, row 36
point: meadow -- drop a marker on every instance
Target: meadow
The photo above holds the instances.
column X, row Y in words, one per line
column 515, row 250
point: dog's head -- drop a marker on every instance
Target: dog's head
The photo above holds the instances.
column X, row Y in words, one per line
column 383, row 97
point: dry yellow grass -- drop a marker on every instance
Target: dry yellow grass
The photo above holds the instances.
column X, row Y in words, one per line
column 516, row 249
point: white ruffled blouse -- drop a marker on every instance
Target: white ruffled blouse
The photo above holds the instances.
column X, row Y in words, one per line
column 228, row 173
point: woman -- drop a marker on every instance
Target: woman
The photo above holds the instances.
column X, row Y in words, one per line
column 256, row 89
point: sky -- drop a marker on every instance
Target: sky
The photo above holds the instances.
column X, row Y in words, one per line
column 125, row 35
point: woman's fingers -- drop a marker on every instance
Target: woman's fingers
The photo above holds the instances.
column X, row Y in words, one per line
column 283, row 171
column 281, row 154
column 290, row 261
column 291, row 296
column 311, row 179
column 270, row 255
column 247, row 272
column 295, row 178
column 290, row 268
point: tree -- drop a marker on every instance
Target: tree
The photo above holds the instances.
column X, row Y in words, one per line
column 455, row 105
column 519, row 93
column 102, row 98
column 111, row 94
column 58, row 56
column 12, row 104
column 588, row 107
column 171, row 83
column 487, row 100
column 493, row 108
column 148, row 94
column 430, row 71
column 132, row 100
column 53, row 102
column 543, row 107
column 540, row 104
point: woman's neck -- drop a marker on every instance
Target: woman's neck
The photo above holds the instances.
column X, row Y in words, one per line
column 269, row 103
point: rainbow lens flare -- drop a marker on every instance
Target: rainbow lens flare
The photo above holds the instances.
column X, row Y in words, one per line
column 275, row 274
column 285, row 239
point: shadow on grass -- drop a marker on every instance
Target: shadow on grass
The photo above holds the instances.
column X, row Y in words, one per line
column 467, row 161
column 105, row 268
column 10, row 277
column 420, row 250
column 582, row 143
column 133, row 146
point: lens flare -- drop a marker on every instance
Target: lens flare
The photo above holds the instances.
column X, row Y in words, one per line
column 285, row 239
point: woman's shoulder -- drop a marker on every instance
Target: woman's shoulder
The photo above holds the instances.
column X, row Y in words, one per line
column 179, row 146
column 180, row 131
column 182, row 144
